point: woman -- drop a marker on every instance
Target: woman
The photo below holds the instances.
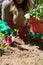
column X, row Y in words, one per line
column 6, row 14
column 18, row 9
column 24, row 4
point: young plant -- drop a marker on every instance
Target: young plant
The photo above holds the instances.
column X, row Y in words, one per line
column 37, row 12
column 2, row 48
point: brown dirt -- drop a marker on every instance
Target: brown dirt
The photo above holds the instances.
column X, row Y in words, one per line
column 18, row 56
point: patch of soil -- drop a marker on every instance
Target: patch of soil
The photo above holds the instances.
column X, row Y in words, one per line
column 17, row 56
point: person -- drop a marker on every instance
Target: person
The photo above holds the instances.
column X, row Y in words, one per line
column 6, row 14
column 18, row 8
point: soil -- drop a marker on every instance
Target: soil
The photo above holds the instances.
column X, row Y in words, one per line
column 18, row 56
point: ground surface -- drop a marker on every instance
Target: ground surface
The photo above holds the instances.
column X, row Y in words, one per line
column 17, row 56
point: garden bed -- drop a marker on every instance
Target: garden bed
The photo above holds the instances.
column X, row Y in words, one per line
column 18, row 56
